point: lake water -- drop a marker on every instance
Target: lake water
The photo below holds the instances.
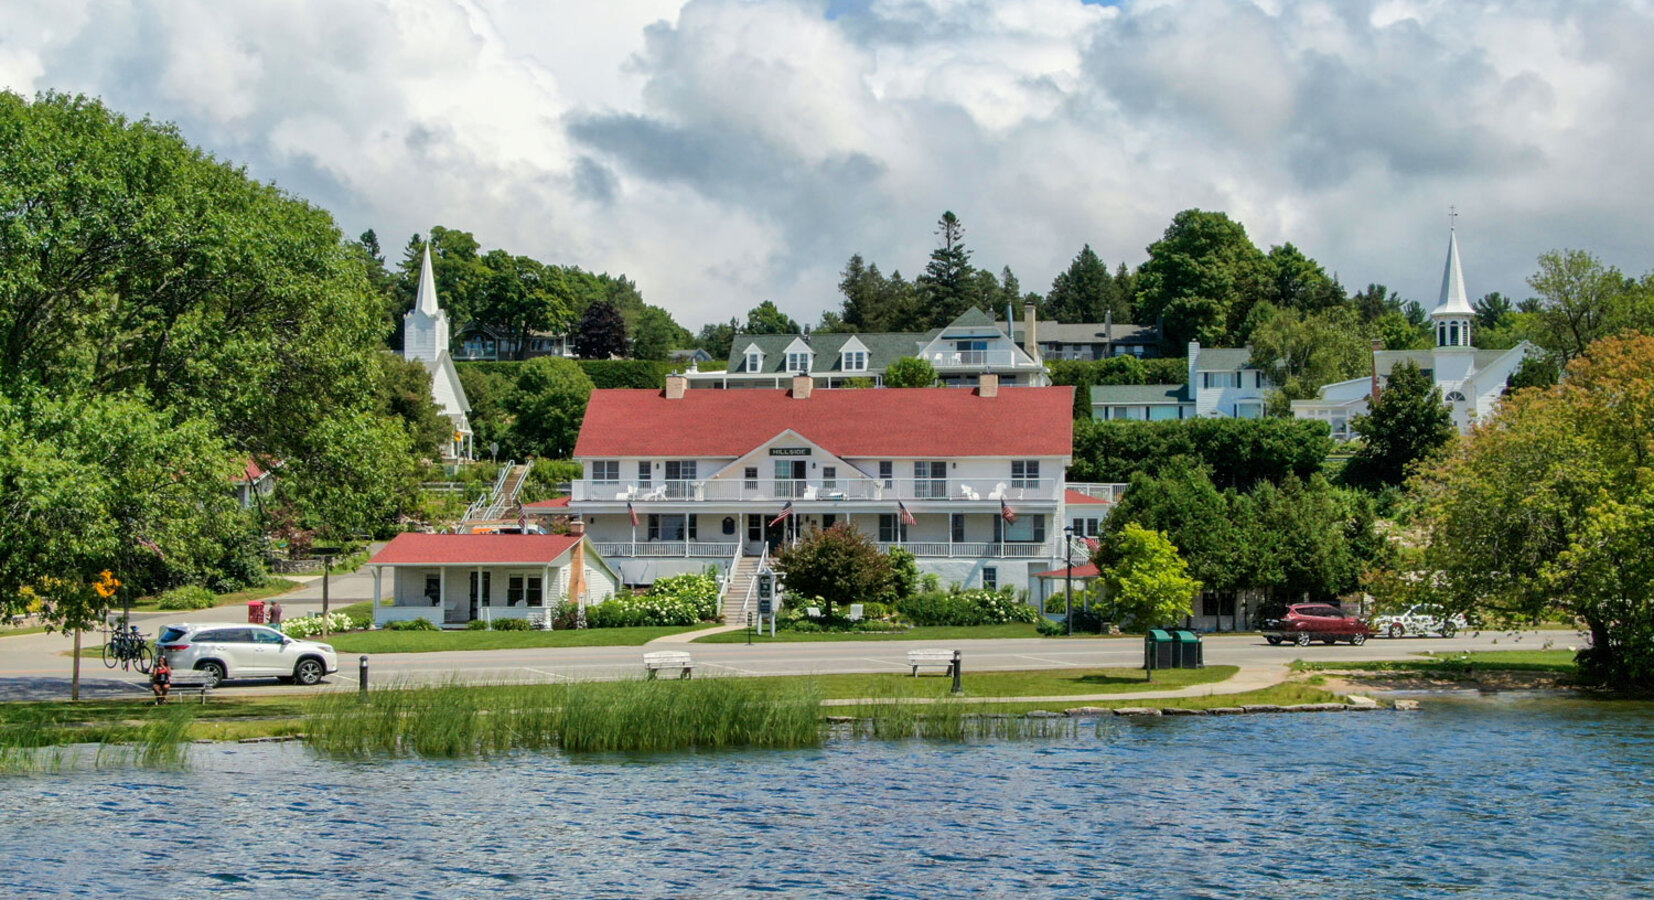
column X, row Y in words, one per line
column 1512, row 797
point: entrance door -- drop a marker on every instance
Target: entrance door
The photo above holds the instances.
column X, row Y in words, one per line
column 755, row 534
column 789, row 478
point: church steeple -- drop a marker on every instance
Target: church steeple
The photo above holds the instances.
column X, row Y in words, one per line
column 425, row 327
column 427, row 287
column 1453, row 311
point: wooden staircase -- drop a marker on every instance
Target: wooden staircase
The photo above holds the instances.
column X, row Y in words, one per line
column 740, row 582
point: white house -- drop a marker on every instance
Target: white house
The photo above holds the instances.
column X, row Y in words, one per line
column 971, row 481
column 1471, row 381
column 451, row 579
column 1222, row 383
column 425, row 338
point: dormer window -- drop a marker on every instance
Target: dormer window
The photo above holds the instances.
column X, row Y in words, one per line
column 855, row 361
column 798, row 362
column 755, row 361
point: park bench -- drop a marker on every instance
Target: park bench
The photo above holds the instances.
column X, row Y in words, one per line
column 917, row 658
column 668, row 659
column 188, row 682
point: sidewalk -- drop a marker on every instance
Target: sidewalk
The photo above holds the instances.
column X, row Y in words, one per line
column 1249, row 678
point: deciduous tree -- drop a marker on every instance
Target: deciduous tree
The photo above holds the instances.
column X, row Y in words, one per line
column 1144, row 579
column 839, row 565
column 1408, row 424
column 909, row 372
column 601, row 333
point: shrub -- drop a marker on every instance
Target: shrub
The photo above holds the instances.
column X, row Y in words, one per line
column 473, row 625
column 420, row 624
column 510, row 625
column 310, row 626
column 972, row 607
column 698, row 589
column 1050, row 628
column 634, row 610
column 189, row 596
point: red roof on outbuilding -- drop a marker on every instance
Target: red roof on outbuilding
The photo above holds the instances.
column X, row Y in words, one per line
column 1089, row 570
column 1072, row 497
column 554, row 503
column 867, row 422
column 412, row 549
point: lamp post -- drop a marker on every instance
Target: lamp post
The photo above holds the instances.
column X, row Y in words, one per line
column 1068, row 573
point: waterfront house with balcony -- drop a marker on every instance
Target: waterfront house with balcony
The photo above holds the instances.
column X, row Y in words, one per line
column 970, row 346
column 971, row 481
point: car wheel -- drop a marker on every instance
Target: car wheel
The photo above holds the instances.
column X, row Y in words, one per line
column 1449, row 629
column 1357, row 639
column 1273, row 640
column 1303, row 639
column 308, row 671
column 214, row 671
column 1397, row 630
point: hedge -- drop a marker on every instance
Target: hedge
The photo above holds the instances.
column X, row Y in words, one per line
column 972, row 607
column 605, row 373
column 1238, row 452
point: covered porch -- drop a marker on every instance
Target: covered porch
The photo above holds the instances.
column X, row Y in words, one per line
column 451, row 580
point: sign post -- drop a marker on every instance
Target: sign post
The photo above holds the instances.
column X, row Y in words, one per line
column 766, row 599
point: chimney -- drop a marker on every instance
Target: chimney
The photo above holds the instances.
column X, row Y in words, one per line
column 1377, row 346
column 1030, row 340
column 1194, row 354
column 577, row 573
column 802, row 385
column 988, row 385
column 577, row 527
column 675, row 387
column 1108, row 332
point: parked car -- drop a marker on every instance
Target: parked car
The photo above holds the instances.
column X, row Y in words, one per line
column 1302, row 623
column 1420, row 620
column 222, row 651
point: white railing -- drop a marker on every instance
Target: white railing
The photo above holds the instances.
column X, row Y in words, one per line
column 770, row 490
column 729, row 577
column 975, row 549
column 752, row 585
column 667, row 549
column 504, row 500
column 978, row 359
column 1111, row 492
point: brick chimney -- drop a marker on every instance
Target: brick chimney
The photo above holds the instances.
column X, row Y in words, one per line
column 577, row 527
column 802, row 385
column 1030, row 339
column 1377, row 346
column 675, row 387
column 988, row 385
column 577, row 573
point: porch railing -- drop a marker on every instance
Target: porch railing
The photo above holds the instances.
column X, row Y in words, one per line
column 976, row 549
column 668, row 549
column 840, row 488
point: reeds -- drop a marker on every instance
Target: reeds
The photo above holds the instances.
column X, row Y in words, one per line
column 33, row 742
column 453, row 720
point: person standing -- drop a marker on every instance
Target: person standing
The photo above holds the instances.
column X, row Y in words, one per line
column 275, row 614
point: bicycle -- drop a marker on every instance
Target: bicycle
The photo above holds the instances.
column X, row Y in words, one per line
column 126, row 649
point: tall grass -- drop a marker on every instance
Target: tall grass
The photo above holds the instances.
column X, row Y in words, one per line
column 35, row 741
column 453, row 720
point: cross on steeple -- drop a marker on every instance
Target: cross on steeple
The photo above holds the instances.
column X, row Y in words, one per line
column 1452, row 216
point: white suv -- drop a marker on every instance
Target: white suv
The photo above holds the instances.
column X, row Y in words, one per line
column 1419, row 620
column 223, row 651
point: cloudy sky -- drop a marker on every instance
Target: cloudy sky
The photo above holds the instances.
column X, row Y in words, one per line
column 724, row 152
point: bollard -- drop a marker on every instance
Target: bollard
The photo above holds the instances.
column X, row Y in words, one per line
column 957, row 687
column 362, row 676
column 749, row 629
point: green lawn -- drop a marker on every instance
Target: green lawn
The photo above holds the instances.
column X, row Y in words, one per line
column 275, row 587
column 1029, row 683
column 436, row 641
column 917, row 633
column 1560, row 662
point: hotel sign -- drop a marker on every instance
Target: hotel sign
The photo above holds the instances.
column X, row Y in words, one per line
column 789, row 451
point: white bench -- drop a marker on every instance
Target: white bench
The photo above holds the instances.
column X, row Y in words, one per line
column 189, row 681
column 668, row 659
column 917, row 658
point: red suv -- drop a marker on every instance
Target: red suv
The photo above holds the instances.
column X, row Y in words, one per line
column 1305, row 622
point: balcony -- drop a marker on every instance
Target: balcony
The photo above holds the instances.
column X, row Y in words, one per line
column 1105, row 491
column 978, row 360
column 769, row 490
column 976, row 549
column 666, row 549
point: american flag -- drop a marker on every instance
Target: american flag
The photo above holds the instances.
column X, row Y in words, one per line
column 907, row 517
column 631, row 512
column 522, row 520
column 785, row 512
column 1006, row 512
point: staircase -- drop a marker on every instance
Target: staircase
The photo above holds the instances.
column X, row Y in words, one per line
column 501, row 499
column 741, row 579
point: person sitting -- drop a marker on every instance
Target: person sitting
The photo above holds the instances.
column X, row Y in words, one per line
column 160, row 680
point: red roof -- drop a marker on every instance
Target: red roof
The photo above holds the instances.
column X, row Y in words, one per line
column 1089, row 570
column 554, row 503
column 867, row 422
column 473, row 549
column 1073, row 497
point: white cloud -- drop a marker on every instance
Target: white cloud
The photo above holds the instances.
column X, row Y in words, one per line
column 724, row 152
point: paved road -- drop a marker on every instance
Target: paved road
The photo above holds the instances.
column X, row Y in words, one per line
column 33, row 667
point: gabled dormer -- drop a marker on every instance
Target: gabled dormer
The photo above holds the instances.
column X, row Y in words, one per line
column 799, row 357
column 853, row 356
column 752, row 359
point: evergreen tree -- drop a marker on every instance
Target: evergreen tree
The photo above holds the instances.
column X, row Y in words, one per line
column 1408, row 423
column 1082, row 292
column 947, row 283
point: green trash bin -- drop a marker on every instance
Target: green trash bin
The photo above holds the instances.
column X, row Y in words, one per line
column 1157, row 649
column 1190, row 651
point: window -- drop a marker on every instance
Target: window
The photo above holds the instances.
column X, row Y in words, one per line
column 1086, row 527
column 990, row 578
column 643, row 474
column 433, row 587
column 930, row 480
column 536, row 594
column 1219, row 379
column 1025, row 473
column 606, row 471
column 957, row 529
column 1164, row 411
column 1453, row 335
column 755, row 361
column 485, row 597
column 887, row 473
column 1133, row 413
column 891, row 528
column 1248, row 410
column 266, row 636
column 828, row 520
column 664, row 527
column 798, row 362
column 829, row 478
column 679, row 474
column 854, row 361
column 750, row 478
column 755, row 527
column 729, row 525
column 1455, row 397
column 1026, row 529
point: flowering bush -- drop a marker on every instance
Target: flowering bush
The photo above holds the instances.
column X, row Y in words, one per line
column 676, row 600
column 699, row 589
column 972, row 607
column 310, row 626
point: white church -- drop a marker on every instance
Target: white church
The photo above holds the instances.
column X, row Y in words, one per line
column 425, row 338
column 1471, row 380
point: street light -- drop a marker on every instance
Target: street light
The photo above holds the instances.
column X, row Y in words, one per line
column 1068, row 595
